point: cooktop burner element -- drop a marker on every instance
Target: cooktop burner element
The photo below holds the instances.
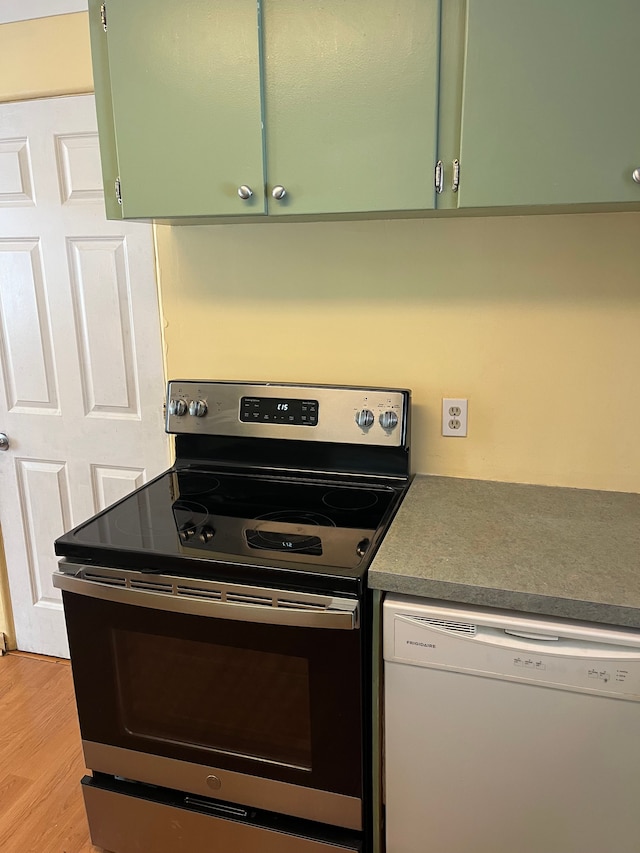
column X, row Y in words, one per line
column 297, row 516
column 199, row 483
column 350, row 498
column 270, row 496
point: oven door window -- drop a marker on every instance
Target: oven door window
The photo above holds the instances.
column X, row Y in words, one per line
column 239, row 701
column 279, row 702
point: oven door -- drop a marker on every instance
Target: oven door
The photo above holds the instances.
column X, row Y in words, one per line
column 252, row 696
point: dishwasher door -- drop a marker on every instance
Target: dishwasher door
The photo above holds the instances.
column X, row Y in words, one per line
column 507, row 733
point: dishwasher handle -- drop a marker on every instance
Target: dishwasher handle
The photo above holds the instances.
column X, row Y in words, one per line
column 528, row 635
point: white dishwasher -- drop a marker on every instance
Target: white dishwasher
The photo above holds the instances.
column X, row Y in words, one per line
column 508, row 733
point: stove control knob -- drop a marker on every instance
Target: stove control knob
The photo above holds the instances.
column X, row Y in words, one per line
column 197, row 408
column 186, row 532
column 388, row 420
column 177, row 407
column 361, row 547
column 206, row 534
column 364, row 418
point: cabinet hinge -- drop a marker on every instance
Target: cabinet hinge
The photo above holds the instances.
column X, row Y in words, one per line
column 103, row 16
column 118, row 191
column 439, row 177
column 456, row 176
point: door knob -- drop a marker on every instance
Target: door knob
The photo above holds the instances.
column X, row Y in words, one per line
column 4, row 441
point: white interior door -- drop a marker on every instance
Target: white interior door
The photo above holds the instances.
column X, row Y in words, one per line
column 81, row 376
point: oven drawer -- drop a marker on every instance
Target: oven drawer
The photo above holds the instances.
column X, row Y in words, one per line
column 125, row 822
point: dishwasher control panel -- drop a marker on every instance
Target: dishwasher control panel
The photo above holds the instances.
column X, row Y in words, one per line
column 518, row 648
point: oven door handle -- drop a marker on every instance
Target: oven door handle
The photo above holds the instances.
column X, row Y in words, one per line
column 241, row 604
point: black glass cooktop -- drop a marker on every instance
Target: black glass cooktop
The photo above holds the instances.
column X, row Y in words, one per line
column 192, row 520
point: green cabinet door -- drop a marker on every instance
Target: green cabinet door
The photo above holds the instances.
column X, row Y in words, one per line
column 104, row 109
column 550, row 102
column 350, row 94
column 186, row 104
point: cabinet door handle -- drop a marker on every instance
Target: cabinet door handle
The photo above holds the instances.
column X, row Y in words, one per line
column 245, row 192
column 278, row 192
column 636, row 175
column 439, row 182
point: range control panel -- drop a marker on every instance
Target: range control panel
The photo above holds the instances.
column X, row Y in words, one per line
column 331, row 413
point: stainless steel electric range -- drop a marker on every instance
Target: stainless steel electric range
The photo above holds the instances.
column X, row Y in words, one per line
column 219, row 623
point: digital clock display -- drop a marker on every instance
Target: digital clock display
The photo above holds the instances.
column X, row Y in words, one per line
column 279, row 410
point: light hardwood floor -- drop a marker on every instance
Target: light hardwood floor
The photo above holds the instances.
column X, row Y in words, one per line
column 41, row 764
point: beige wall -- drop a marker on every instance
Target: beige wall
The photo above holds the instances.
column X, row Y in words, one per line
column 534, row 319
column 45, row 57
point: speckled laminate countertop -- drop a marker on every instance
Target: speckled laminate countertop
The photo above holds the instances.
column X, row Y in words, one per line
column 556, row 551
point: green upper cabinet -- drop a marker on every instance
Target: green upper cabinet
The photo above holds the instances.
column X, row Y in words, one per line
column 351, row 104
column 333, row 102
column 238, row 108
column 550, row 103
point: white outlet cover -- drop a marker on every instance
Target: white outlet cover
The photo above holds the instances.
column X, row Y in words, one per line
column 454, row 417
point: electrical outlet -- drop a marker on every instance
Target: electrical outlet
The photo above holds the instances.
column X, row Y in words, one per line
column 454, row 417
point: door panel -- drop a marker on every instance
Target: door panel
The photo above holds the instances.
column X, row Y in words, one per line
column 43, row 486
column 76, row 159
column 15, row 173
column 109, row 484
column 82, row 385
column 102, row 301
column 26, row 352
